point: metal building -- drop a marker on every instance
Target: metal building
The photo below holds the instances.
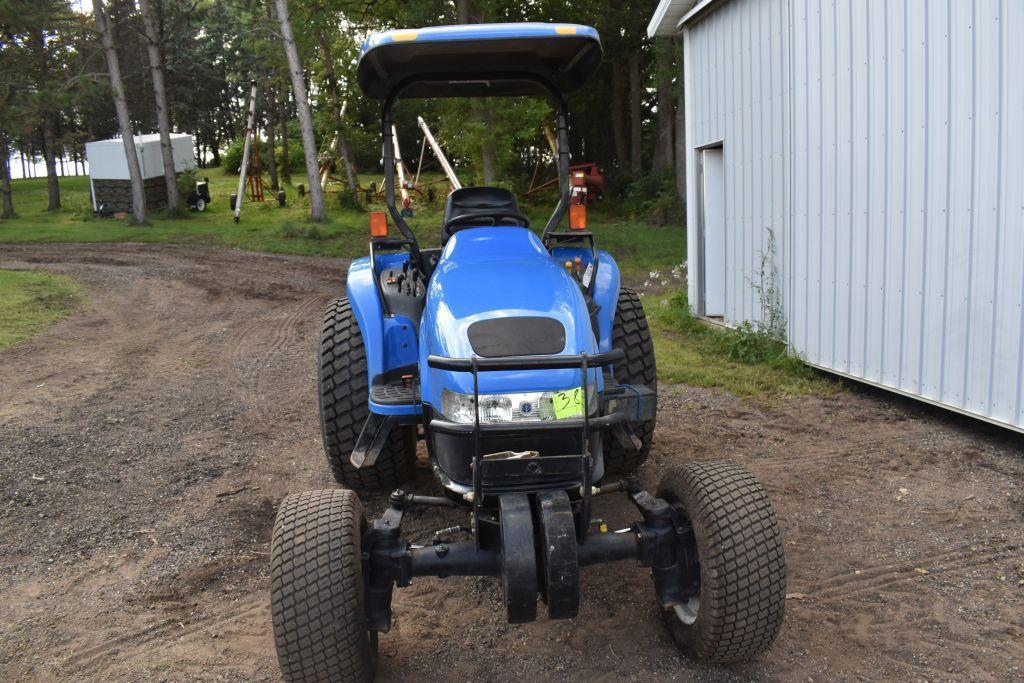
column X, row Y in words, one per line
column 881, row 143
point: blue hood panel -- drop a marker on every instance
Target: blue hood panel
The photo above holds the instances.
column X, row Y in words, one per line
column 493, row 272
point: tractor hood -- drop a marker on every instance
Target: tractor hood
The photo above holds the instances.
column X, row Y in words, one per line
column 497, row 292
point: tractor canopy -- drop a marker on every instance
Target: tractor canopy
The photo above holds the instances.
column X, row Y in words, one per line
column 478, row 60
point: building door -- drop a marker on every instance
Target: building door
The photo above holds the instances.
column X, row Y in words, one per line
column 712, row 226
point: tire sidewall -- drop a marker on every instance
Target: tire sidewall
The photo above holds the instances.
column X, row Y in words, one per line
column 687, row 636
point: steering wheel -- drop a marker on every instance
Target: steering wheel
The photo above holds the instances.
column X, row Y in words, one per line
column 456, row 223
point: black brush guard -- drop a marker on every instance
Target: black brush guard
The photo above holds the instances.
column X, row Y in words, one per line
column 500, row 475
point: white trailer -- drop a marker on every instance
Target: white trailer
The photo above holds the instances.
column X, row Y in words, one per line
column 109, row 180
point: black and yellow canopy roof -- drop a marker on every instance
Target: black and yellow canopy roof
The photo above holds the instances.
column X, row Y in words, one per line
column 478, row 60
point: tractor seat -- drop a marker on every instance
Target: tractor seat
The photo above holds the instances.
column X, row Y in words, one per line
column 472, row 207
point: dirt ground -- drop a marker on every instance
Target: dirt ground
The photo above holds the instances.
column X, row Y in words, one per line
column 146, row 441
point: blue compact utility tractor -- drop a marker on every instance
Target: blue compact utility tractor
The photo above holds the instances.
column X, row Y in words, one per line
column 529, row 373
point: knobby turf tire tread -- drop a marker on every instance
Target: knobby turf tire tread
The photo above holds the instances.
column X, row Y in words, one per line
column 316, row 588
column 742, row 564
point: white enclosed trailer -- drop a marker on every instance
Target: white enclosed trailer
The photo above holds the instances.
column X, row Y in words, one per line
column 882, row 145
column 110, row 182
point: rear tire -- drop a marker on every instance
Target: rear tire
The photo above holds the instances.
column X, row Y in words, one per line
column 631, row 334
column 343, row 395
column 742, row 565
column 316, row 589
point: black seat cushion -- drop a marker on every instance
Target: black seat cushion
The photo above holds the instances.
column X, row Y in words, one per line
column 470, row 199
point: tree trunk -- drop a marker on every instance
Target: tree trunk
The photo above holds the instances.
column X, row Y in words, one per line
column 163, row 121
column 46, row 121
column 680, row 141
column 340, row 145
column 286, row 168
column 121, row 106
column 271, row 110
column 7, row 210
column 664, row 154
column 618, row 115
column 316, row 195
column 488, row 154
column 635, row 115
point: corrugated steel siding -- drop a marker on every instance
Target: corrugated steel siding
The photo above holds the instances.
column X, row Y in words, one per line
column 736, row 83
column 887, row 138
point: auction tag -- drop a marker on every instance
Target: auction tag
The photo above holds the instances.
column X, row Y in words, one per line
column 568, row 403
column 587, row 274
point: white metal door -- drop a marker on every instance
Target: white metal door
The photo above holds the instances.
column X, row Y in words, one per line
column 713, row 231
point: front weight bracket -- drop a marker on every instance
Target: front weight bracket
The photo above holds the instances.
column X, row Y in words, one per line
column 518, row 558
column 559, row 555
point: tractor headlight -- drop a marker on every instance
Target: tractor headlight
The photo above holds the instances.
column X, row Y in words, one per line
column 527, row 406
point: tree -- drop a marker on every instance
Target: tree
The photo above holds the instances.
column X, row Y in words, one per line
column 156, row 64
column 340, row 145
column 270, row 109
column 7, row 210
column 44, row 88
column 464, row 11
column 618, row 115
column 680, row 141
column 286, row 163
column 663, row 156
column 635, row 115
column 121, row 105
column 316, row 194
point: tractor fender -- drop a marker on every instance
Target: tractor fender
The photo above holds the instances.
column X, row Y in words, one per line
column 390, row 341
column 366, row 304
column 606, row 295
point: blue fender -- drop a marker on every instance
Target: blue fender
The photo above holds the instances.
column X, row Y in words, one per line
column 499, row 272
column 606, row 288
column 390, row 341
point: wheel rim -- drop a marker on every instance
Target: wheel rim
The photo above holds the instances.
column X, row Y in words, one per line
column 200, row 205
column 687, row 612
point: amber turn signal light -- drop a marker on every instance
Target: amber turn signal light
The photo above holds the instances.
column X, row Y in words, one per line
column 378, row 224
column 578, row 217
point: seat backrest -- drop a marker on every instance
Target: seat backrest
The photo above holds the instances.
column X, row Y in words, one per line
column 476, row 199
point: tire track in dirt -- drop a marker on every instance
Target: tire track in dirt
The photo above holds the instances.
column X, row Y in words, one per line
column 168, row 632
column 815, row 459
column 880, row 577
column 257, row 345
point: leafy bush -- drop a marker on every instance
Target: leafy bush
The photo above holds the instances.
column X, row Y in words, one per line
column 650, row 198
column 350, row 199
column 186, row 183
column 750, row 344
column 291, row 231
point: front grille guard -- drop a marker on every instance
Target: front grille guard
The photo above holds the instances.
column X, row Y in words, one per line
column 475, row 365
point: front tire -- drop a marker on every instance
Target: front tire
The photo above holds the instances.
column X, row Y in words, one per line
column 631, row 334
column 316, row 589
column 343, row 397
column 742, row 565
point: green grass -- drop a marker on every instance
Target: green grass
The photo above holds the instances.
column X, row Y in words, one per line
column 32, row 301
column 745, row 362
column 268, row 227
